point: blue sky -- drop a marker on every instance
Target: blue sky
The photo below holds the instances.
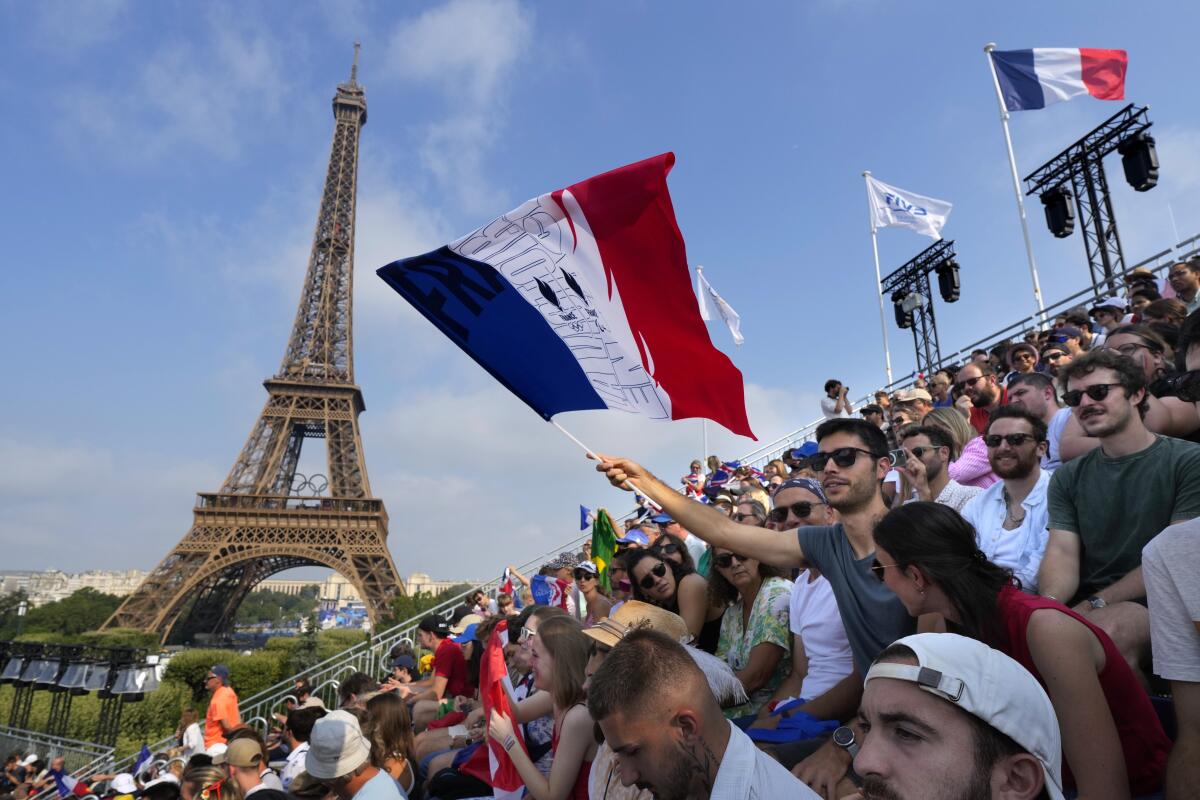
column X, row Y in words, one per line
column 165, row 163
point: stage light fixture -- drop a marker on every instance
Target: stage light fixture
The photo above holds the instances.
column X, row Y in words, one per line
column 75, row 676
column 948, row 285
column 1140, row 161
column 904, row 319
column 12, row 670
column 97, row 677
column 1060, row 211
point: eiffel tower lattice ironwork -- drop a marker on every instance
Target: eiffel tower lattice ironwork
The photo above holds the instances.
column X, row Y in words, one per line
column 257, row 525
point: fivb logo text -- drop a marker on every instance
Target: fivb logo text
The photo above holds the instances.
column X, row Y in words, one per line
column 900, row 204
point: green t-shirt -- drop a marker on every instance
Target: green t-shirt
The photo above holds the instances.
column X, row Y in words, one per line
column 1117, row 505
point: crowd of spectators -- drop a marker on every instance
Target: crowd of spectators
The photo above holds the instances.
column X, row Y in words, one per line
column 984, row 585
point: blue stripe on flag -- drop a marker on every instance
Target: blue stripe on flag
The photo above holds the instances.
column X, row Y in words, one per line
column 1018, row 81
column 472, row 304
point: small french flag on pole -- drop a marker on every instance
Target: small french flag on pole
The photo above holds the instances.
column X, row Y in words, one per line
column 1033, row 79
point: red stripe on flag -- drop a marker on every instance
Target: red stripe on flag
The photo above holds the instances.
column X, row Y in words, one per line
column 630, row 213
column 1104, row 72
column 492, row 672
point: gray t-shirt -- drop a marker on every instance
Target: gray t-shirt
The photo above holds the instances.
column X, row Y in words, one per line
column 871, row 614
column 381, row 787
column 1171, row 566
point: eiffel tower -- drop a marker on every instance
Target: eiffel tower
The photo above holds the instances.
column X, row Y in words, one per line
column 259, row 523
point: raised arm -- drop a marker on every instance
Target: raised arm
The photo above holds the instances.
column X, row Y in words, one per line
column 779, row 548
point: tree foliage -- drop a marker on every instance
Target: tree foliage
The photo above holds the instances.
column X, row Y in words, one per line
column 62, row 620
column 414, row 605
column 266, row 605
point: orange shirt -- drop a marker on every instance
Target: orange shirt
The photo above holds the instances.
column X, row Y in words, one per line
column 223, row 706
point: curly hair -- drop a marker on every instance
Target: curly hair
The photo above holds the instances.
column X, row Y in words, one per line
column 1129, row 374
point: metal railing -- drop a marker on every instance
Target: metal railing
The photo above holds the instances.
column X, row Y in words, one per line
column 81, row 758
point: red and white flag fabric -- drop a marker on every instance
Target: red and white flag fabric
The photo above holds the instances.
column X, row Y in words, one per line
column 505, row 780
column 1038, row 77
column 581, row 299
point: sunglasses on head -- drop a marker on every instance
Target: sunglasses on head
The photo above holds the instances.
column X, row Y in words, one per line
column 993, row 440
column 801, row 510
column 725, row 560
column 843, row 457
column 648, row 579
column 583, row 575
column 958, row 387
column 1097, row 391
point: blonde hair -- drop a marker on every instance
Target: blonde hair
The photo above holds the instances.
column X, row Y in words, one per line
column 781, row 469
column 952, row 421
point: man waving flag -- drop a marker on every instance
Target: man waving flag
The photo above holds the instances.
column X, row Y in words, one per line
column 581, row 299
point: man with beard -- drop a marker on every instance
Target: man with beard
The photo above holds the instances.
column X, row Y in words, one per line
column 660, row 718
column 1035, row 393
column 945, row 717
column 851, row 460
column 1010, row 517
column 1106, row 505
column 978, row 393
column 1055, row 356
column 928, row 449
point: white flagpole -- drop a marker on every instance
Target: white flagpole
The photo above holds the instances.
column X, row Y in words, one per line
column 887, row 354
column 704, row 435
column 1012, row 163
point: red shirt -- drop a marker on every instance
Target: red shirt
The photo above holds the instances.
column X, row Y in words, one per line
column 1143, row 740
column 448, row 663
column 980, row 416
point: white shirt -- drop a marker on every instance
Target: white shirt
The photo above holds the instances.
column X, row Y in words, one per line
column 1054, row 431
column 193, row 740
column 814, row 617
column 1022, row 548
column 747, row 773
column 294, row 765
column 829, row 408
column 955, row 495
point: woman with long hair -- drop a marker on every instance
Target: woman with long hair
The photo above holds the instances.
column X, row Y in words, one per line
column 390, row 732
column 1112, row 740
column 587, row 581
column 668, row 585
column 756, row 640
column 188, row 735
column 560, row 656
column 208, row 783
column 968, row 455
column 670, row 547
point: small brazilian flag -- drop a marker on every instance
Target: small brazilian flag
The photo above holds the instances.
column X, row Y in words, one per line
column 604, row 546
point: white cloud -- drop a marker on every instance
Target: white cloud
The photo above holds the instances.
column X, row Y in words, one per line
column 468, row 51
column 186, row 96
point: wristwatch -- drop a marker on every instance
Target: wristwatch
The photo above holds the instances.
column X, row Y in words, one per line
column 844, row 737
column 1096, row 602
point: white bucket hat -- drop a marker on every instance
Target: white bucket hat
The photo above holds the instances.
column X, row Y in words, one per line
column 336, row 747
column 989, row 685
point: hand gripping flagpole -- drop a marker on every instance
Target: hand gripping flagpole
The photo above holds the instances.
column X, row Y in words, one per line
column 887, row 355
column 1012, row 163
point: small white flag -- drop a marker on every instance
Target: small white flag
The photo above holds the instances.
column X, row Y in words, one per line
column 891, row 206
column 732, row 320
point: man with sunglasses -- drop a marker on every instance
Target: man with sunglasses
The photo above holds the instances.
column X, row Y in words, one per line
column 851, row 461
column 1071, row 338
column 1035, row 393
column 821, row 657
column 1053, row 357
column 1108, row 315
column 222, row 715
column 928, row 448
column 1010, row 517
column 978, row 392
column 1107, row 504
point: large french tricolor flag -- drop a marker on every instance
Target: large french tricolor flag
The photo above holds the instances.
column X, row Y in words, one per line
column 581, row 299
column 1032, row 79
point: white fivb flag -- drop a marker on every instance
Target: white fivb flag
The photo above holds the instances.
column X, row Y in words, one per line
column 895, row 207
column 704, row 293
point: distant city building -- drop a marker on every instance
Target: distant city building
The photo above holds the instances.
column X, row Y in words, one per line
column 50, row 585
column 337, row 592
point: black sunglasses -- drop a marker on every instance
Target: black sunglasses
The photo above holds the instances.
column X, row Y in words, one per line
column 801, row 510
column 877, row 569
column 1097, row 391
column 993, row 440
column 670, row 548
column 583, row 574
column 1052, row 356
column 744, row 517
column 921, row 450
column 843, row 457
column 647, row 580
column 725, row 560
column 958, row 387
